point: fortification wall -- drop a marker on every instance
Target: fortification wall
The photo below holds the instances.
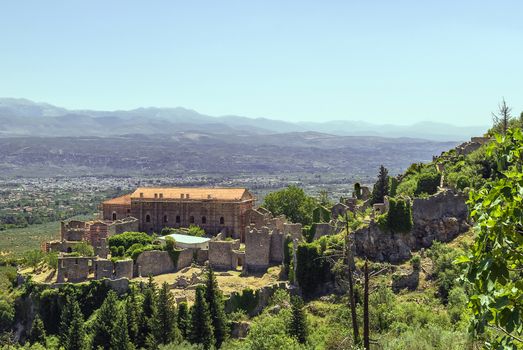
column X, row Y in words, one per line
column 153, row 262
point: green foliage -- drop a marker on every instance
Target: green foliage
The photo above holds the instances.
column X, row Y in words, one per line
column 247, row 300
column 321, row 214
column 83, row 249
column 51, row 259
column 269, row 333
column 33, row 257
column 170, row 247
column 381, row 187
column 393, row 186
column 357, row 190
column 7, row 313
column 201, row 331
column 312, row 268
column 183, row 319
column 428, row 183
column 291, row 202
column 132, row 312
column 166, row 329
column 72, row 331
column 399, row 215
column 37, row 333
column 147, row 313
column 214, row 299
column 127, row 239
column 298, row 324
column 494, row 263
column 119, row 332
column 415, row 262
column 139, row 250
column 443, row 268
column 105, row 322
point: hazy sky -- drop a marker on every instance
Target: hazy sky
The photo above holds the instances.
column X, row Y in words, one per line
column 378, row 61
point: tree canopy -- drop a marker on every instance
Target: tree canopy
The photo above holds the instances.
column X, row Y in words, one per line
column 292, row 202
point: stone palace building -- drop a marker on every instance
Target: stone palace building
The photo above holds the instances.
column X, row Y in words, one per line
column 213, row 209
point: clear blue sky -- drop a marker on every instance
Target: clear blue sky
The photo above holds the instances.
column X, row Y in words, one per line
column 378, row 61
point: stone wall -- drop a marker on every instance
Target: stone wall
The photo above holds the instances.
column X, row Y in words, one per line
column 221, row 254
column 294, row 230
column 74, row 269
column 202, row 255
column 128, row 224
column 276, row 250
column 257, row 249
column 323, row 229
column 123, row 269
column 440, row 217
column 152, row 263
column 185, row 258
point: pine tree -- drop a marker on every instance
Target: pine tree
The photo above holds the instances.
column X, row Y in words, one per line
column 133, row 313
column 183, row 319
column 166, row 329
column 381, row 187
column 119, row 331
column 147, row 314
column 37, row 334
column 201, row 327
column 213, row 296
column 76, row 332
column 65, row 320
column 104, row 324
column 298, row 324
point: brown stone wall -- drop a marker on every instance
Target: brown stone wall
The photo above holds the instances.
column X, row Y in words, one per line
column 277, row 242
column 74, row 269
column 257, row 249
column 221, row 254
column 123, row 269
column 185, row 258
column 103, row 269
column 202, row 255
column 153, row 262
column 121, row 211
column 153, row 215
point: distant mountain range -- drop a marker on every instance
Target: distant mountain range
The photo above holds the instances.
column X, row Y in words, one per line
column 21, row 117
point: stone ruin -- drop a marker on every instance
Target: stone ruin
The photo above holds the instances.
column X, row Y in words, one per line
column 94, row 233
column 79, row 269
column 225, row 254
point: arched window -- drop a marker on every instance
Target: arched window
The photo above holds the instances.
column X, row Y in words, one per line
column 204, row 220
column 114, row 216
column 165, row 218
column 177, row 219
column 191, row 220
column 147, row 218
column 222, row 221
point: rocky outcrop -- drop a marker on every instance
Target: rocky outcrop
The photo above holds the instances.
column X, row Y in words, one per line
column 440, row 217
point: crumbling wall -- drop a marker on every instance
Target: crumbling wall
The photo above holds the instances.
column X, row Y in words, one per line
column 129, row 224
column 294, row 230
column 103, row 269
column 123, row 269
column 202, row 255
column 153, row 262
column 323, row 229
column 276, row 250
column 185, row 258
column 74, row 269
column 257, row 249
column 440, row 217
column 221, row 254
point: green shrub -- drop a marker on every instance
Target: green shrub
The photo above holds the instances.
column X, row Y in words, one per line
column 136, row 253
column 428, row 183
column 399, row 216
column 127, row 239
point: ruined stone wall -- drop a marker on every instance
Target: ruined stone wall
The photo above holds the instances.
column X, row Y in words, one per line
column 221, row 254
column 103, row 269
column 123, row 269
column 185, row 258
column 294, row 230
column 153, row 262
column 74, row 269
column 323, row 229
column 257, row 249
column 440, row 217
column 128, row 224
column 202, row 255
column 276, row 250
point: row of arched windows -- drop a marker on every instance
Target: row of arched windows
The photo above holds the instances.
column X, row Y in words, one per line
column 178, row 219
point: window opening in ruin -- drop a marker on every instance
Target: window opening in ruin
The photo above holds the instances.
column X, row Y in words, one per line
column 222, row 221
column 165, row 218
column 204, row 220
column 114, row 216
column 148, row 218
column 191, row 220
column 178, row 219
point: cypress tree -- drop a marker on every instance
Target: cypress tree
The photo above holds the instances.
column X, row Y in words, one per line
column 381, row 187
column 213, row 296
column 201, row 327
column 66, row 319
column 75, row 339
column 37, row 333
column 166, row 328
column 132, row 313
column 298, row 324
column 147, row 314
column 183, row 319
column 119, row 331
column 103, row 328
